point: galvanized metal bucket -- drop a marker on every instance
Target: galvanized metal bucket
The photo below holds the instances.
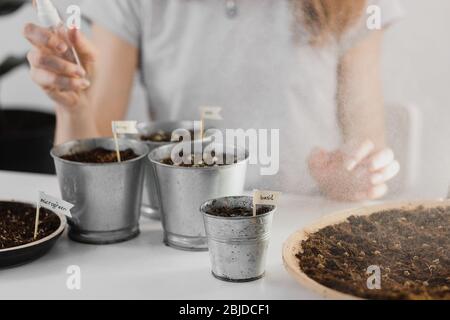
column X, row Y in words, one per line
column 107, row 197
column 237, row 245
column 150, row 206
column 182, row 190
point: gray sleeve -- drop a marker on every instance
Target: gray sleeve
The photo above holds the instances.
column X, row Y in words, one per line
column 391, row 12
column 121, row 17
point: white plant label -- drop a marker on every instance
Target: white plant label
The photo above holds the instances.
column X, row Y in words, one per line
column 268, row 198
column 211, row 113
column 124, row 127
column 54, row 204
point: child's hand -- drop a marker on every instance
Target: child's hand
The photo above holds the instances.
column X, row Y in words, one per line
column 355, row 172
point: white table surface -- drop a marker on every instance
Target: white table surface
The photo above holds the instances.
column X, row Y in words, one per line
column 144, row 268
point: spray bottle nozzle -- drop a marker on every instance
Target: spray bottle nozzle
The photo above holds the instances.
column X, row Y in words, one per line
column 47, row 13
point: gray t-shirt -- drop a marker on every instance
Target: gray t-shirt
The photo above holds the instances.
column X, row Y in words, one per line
column 193, row 54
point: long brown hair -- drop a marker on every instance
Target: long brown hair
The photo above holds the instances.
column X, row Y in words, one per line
column 327, row 19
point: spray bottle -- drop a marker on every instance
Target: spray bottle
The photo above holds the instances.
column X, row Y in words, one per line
column 49, row 17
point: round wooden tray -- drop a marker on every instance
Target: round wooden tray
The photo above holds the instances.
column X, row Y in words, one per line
column 293, row 245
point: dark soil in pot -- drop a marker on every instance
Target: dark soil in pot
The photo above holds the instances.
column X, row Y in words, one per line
column 190, row 163
column 234, row 212
column 17, row 224
column 162, row 136
column 412, row 249
column 100, row 155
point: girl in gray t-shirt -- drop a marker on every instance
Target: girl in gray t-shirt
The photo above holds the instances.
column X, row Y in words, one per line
column 309, row 68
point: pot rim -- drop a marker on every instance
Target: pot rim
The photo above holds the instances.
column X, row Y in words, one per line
column 141, row 126
column 81, row 164
column 209, row 168
column 57, row 232
column 274, row 209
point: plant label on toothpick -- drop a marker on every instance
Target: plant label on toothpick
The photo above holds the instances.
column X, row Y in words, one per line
column 268, row 198
column 51, row 203
column 209, row 113
column 54, row 204
column 123, row 127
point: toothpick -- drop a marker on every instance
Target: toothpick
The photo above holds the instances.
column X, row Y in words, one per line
column 123, row 127
column 119, row 159
column 202, row 127
column 264, row 198
column 210, row 113
column 36, row 222
column 255, row 192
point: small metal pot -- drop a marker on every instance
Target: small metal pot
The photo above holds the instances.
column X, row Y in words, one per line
column 151, row 207
column 107, row 197
column 237, row 245
column 182, row 190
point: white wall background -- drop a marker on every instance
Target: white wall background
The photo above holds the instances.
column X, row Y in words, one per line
column 416, row 70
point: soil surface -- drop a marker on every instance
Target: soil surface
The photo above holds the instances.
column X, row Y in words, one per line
column 215, row 162
column 17, row 224
column 229, row 212
column 411, row 248
column 100, row 155
column 162, row 136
